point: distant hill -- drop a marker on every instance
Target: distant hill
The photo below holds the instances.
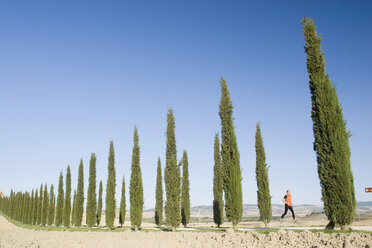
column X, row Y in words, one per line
column 251, row 210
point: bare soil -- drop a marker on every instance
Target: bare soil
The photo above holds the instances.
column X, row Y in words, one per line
column 13, row 236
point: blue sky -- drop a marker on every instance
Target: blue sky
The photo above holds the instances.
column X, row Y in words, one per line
column 76, row 74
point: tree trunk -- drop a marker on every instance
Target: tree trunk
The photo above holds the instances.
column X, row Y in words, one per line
column 330, row 225
column 136, row 228
column 265, row 222
column 235, row 226
column 218, row 225
column 173, row 229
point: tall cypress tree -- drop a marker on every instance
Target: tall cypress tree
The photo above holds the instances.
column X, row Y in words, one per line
column 60, row 198
column 67, row 204
column 80, row 196
column 263, row 191
column 73, row 212
column 110, row 189
column 331, row 138
column 34, row 208
column 136, row 187
column 122, row 204
column 44, row 215
column 172, row 176
column 159, row 196
column 185, row 199
column 51, row 206
column 230, row 160
column 99, row 204
column 91, row 201
column 217, row 184
column 40, row 206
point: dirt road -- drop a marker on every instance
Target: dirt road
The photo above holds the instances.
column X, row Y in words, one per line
column 12, row 236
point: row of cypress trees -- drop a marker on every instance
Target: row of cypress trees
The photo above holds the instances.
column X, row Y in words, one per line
column 331, row 146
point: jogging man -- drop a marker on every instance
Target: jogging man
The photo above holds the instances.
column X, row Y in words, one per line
column 287, row 199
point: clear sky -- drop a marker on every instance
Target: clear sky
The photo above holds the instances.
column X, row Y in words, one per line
column 76, row 74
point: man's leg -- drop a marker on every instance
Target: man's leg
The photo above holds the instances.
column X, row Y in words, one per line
column 285, row 211
column 293, row 214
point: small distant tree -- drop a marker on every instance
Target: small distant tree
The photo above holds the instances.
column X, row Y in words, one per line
column 67, row 204
column 136, row 187
column 34, row 208
column 91, row 201
column 73, row 212
column 110, row 189
column 262, row 178
column 99, row 204
column 185, row 199
column 217, row 184
column 60, row 199
column 80, row 196
column 44, row 215
column 122, row 204
column 159, row 196
column 40, row 206
column 51, row 209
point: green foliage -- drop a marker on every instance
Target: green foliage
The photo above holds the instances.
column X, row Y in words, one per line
column 110, row 189
column 217, row 184
column 331, row 138
column 185, row 197
column 52, row 203
column 230, row 159
column 172, row 176
column 99, row 204
column 34, row 207
column 136, row 187
column 263, row 191
column 122, row 211
column 44, row 215
column 73, row 214
column 80, row 196
column 40, row 206
column 67, row 204
column 60, row 198
column 159, row 196
column 91, row 201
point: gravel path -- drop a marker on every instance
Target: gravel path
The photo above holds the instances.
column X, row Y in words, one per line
column 12, row 236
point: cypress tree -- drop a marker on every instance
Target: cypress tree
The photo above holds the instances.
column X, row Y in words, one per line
column 122, row 204
column 331, row 138
column 40, row 206
column 52, row 204
column 60, row 198
column 99, row 204
column 136, row 187
column 79, row 211
column 73, row 212
column 34, row 208
column 67, row 204
column 217, row 184
column 185, row 199
column 172, row 176
column 159, row 196
column 110, row 189
column 91, row 201
column 263, row 191
column 230, row 160
column 44, row 215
